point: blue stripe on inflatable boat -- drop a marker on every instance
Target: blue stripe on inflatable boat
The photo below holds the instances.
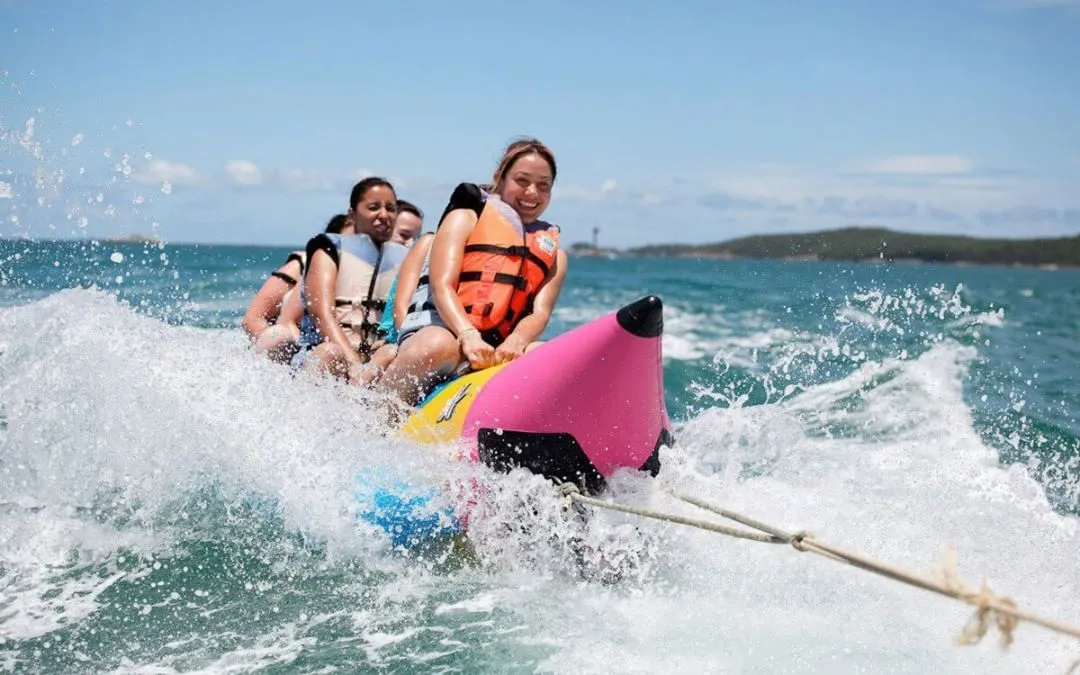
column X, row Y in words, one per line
column 409, row 515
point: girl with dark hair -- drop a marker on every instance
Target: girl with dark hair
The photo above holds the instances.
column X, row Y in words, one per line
column 346, row 285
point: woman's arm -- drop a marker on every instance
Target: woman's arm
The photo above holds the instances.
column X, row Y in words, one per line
column 320, row 281
column 292, row 311
column 447, row 252
column 266, row 305
column 532, row 326
column 409, row 277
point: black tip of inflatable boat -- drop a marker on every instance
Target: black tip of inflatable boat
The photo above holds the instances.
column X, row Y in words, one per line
column 643, row 318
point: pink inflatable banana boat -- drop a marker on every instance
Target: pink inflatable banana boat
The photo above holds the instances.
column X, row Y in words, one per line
column 578, row 408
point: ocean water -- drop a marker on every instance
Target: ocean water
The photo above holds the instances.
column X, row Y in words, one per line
column 169, row 503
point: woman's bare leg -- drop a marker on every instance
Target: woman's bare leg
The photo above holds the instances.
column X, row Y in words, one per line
column 432, row 353
column 327, row 358
column 278, row 342
column 373, row 369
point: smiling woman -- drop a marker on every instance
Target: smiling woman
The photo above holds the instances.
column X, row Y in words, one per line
column 495, row 273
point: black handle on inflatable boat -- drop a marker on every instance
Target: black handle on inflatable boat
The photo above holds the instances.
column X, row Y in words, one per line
column 643, row 318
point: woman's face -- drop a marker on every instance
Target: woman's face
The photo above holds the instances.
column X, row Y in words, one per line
column 527, row 186
column 407, row 228
column 375, row 212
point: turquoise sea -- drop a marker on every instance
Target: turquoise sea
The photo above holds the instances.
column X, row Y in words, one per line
column 169, row 503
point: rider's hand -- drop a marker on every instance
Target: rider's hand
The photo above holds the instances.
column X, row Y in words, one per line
column 510, row 349
column 479, row 353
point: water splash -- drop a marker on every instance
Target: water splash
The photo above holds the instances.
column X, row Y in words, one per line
column 41, row 197
column 201, row 504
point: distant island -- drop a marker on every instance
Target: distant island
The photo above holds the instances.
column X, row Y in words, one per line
column 136, row 238
column 852, row 244
column 865, row 244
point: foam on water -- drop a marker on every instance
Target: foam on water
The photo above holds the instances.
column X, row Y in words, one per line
column 927, row 482
column 156, row 474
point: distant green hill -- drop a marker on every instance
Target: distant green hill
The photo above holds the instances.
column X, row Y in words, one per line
column 871, row 243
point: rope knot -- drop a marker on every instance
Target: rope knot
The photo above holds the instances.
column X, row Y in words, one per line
column 993, row 608
column 797, row 541
column 568, row 490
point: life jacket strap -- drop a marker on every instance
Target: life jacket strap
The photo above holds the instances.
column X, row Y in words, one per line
column 516, row 251
column 284, row 277
column 518, row 282
column 366, row 303
column 487, row 309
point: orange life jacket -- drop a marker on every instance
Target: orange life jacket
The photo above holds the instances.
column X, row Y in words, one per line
column 502, row 271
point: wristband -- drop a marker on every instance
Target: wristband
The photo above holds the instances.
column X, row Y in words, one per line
column 465, row 332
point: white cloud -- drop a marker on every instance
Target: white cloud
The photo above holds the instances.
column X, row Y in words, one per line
column 783, row 184
column 572, row 192
column 243, row 172
column 586, row 193
column 305, row 180
column 921, row 165
column 928, row 191
column 788, row 185
column 908, row 194
column 162, row 171
column 6, row 190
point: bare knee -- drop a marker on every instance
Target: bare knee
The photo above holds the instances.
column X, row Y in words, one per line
column 430, row 354
column 279, row 342
column 384, row 355
column 371, row 371
column 328, row 358
column 432, row 349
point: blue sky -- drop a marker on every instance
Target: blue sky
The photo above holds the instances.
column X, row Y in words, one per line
column 248, row 122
